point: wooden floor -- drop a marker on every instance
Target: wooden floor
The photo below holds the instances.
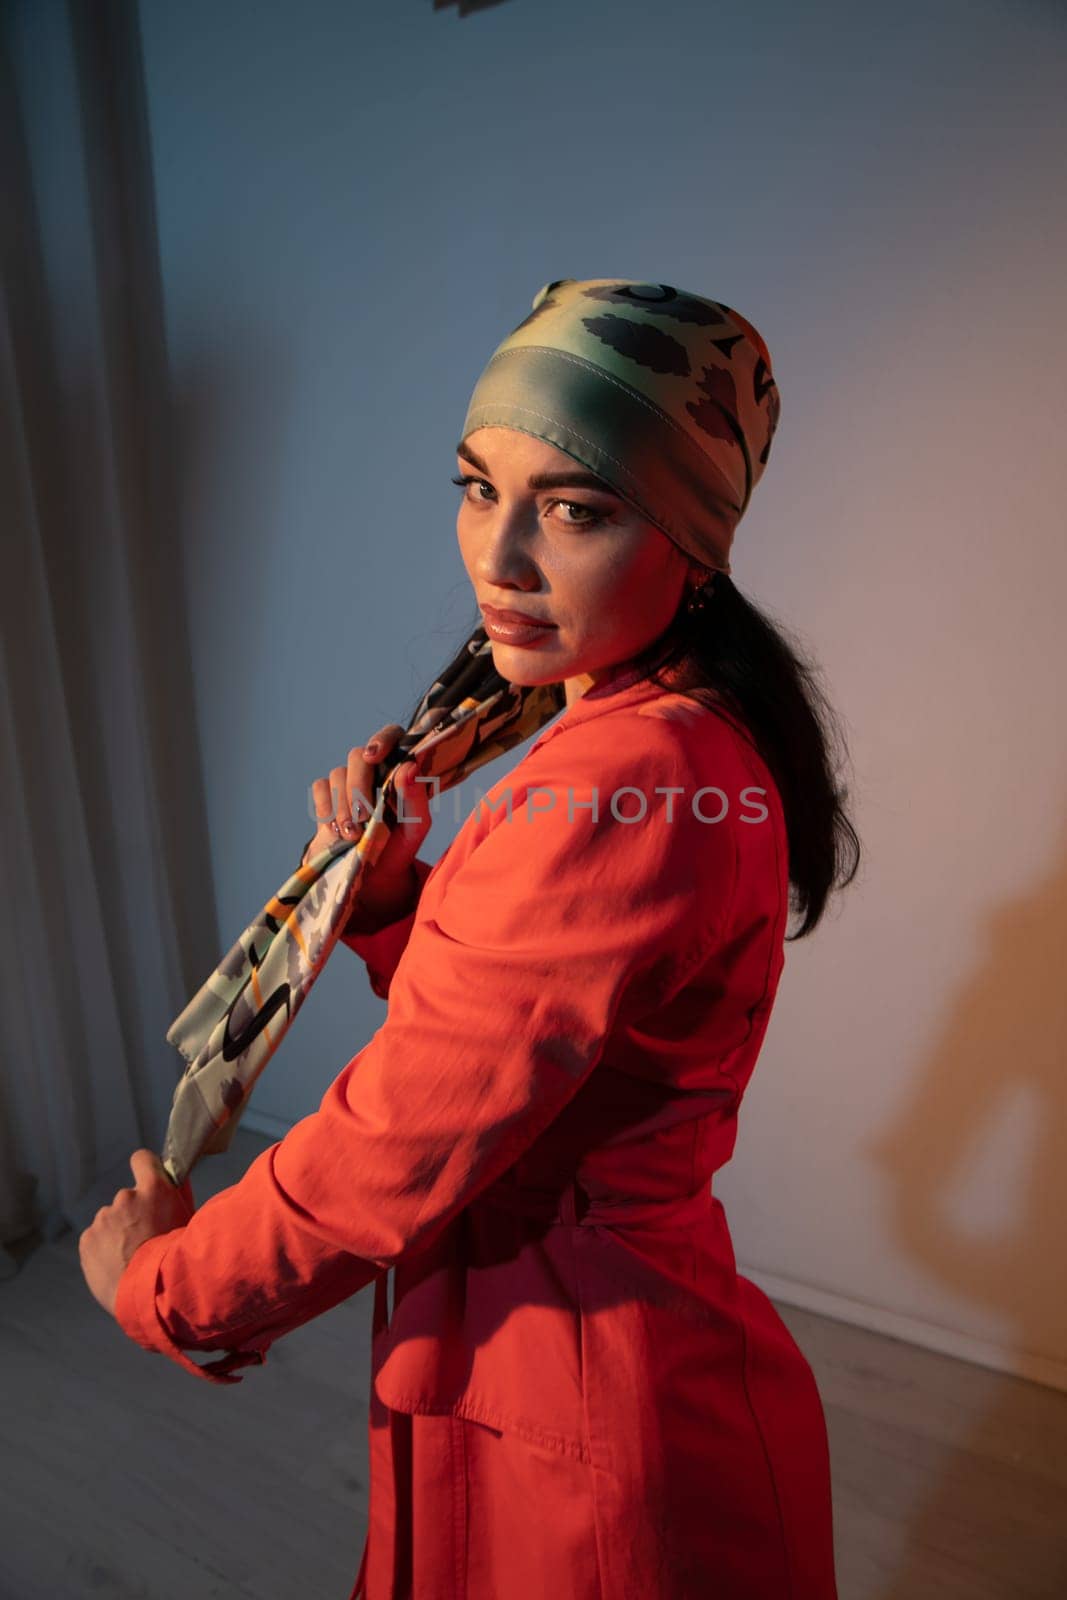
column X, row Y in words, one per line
column 121, row 1476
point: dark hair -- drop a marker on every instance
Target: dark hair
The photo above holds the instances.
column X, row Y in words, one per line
column 733, row 653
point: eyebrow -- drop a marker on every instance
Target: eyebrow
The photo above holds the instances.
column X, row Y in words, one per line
column 571, row 479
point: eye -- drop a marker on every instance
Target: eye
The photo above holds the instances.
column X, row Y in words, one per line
column 588, row 518
column 463, row 481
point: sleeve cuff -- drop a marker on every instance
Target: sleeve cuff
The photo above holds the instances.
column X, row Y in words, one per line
column 137, row 1316
column 381, row 951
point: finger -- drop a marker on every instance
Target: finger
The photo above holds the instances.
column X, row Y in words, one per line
column 146, row 1167
column 320, row 793
column 378, row 747
column 359, row 776
column 413, row 808
column 416, row 794
column 380, row 743
column 342, row 806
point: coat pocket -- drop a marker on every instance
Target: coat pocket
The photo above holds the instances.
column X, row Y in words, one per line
column 486, row 1325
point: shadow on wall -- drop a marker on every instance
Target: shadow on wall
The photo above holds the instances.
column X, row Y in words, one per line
column 997, row 1072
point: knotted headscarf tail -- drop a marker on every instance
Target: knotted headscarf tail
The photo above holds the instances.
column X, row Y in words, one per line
column 667, row 396
column 232, row 1026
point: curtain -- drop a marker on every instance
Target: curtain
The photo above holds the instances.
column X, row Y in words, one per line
column 109, row 914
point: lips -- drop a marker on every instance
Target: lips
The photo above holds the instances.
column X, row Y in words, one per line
column 496, row 615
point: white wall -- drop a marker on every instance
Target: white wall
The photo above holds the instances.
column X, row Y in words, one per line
column 356, row 203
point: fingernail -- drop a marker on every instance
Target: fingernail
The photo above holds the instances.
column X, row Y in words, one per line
column 372, row 748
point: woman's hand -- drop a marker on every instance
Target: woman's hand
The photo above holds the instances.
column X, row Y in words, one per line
column 344, row 801
column 153, row 1206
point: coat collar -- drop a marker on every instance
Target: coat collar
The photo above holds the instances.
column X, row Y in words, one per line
column 623, row 686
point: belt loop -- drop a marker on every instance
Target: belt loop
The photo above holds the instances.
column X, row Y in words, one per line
column 380, row 1320
column 572, row 1203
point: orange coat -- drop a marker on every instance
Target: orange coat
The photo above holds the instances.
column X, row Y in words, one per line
column 576, row 1393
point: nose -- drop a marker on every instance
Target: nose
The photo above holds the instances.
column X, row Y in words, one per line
column 502, row 558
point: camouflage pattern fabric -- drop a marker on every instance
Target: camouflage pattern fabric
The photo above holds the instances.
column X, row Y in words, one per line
column 235, row 1022
column 665, row 395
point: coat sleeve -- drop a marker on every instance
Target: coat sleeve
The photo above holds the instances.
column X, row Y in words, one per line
column 382, row 950
column 557, row 926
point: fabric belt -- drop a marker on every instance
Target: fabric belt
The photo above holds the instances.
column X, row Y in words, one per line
column 573, row 1207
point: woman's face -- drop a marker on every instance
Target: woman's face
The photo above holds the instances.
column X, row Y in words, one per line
column 566, row 552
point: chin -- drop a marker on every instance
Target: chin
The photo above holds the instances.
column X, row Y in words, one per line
column 523, row 666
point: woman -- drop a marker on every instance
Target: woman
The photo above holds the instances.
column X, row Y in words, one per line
column 576, row 1393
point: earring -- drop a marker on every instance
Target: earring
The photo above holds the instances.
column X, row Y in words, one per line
column 697, row 596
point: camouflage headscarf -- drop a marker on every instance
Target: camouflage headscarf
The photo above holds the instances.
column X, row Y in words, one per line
column 667, row 396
